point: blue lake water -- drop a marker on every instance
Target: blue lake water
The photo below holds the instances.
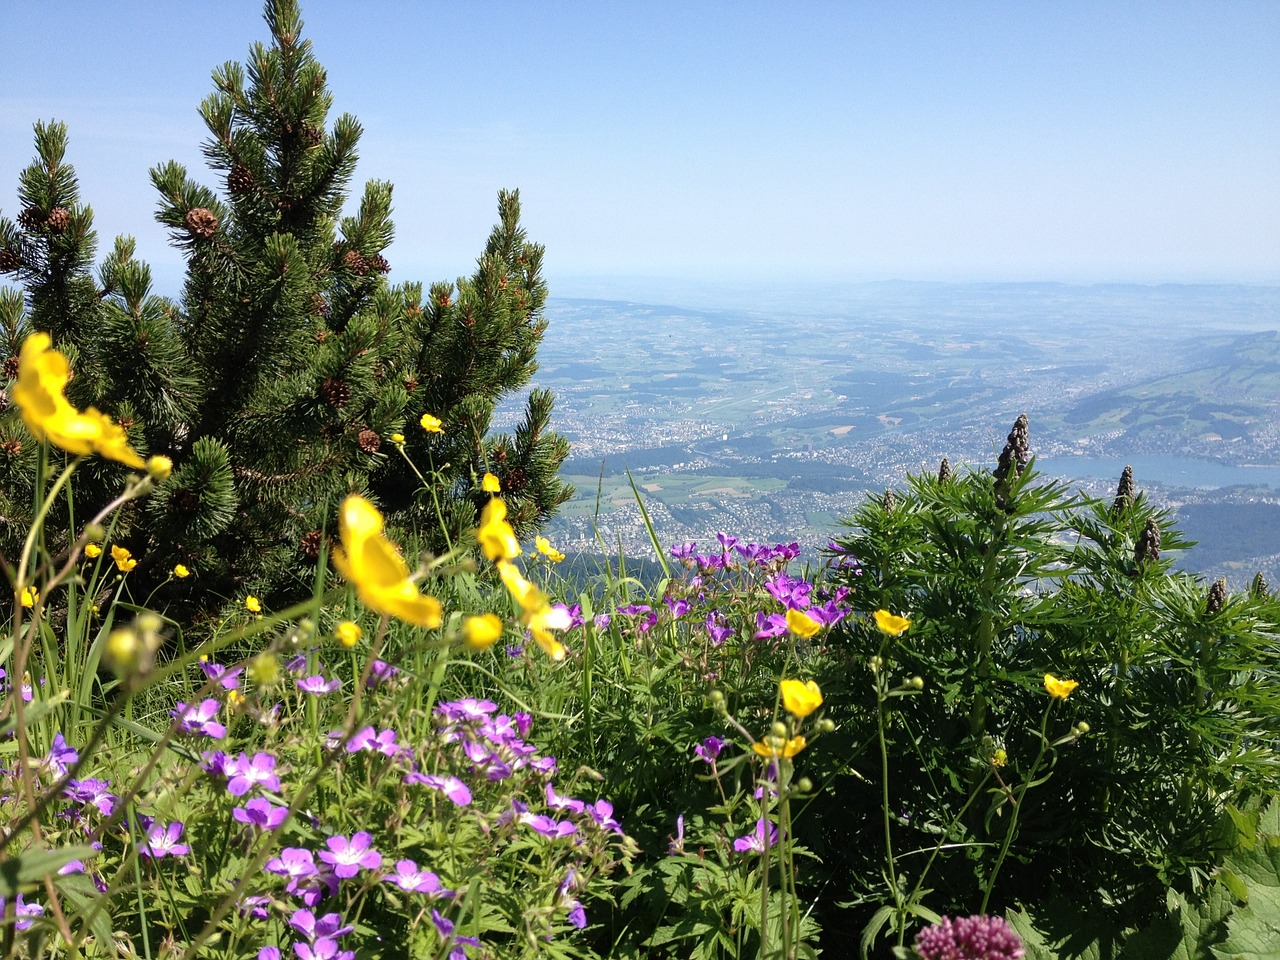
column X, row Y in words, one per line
column 1168, row 471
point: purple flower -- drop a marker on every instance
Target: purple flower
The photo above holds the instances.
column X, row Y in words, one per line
column 717, row 629
column 349, row 856
column 451, row 787
column 246, row 773
column 227, row 679
column 678, row 606
column 261, row 813
column 761, row 839
column 969, row 938
column 317, row 685
column 548, row 826
column 215, row 763
column 324, row 883
column 328, row 927
column 709, row 749
column 675, row 845
column 411, row 879
column 602, row 621
column 770, row 625
column 60, row 756
column 199, row 719
column 381, row 672
column 322, row 949
column 370, row 739
column 445, row 926
column 684, row 552
column 557, row 802
column 22, row 910
column 259, row 908
column 574, row 612
column 162, row 841
column 93, row 792
column 602, row 813
column 294, row 863
column 726, row 541
column 467, row 708
column 268, row 953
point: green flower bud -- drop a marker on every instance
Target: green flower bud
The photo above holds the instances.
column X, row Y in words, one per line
column 916, row 683
column 826, row 725
column 804, row 785
column 1082, row 728
column 779, row 729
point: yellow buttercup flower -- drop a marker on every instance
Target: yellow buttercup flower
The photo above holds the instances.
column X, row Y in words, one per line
column 124, row 560
column 801, row 624
column 547, row 550
column 369, row 561
column 431, row 424
column 180, row 571
column 496, row 538
column 92, row 551
column 800, row 697
column 348, row 633
column 43, row 374
column 1059, row 689
column 999, row 757
column 252, row 604
column 539, row 616
column 490, row 484
column 29, row 596
column 891, row 623
column 774, row 747
column 159, row 468
column 396, row 438
column 482, row 631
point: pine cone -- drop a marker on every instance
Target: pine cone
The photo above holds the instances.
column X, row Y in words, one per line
column 311, row 135
column 240, row 180
column 444, row 301
column 355, row 262
column 1124, row 493
column 322, row 335
column 31, row 219
column 1259, row 587
column 11, row 447
column 59, row 218
column 1148, row 545
column 336, row 392
column 888, row 501
column 944, row 470
column 378, row 262
column 11, row 368
column 188, row 501
column 515, row 480
column 9, row 260
column 309, row 545
column 319, row 305
column 4, row 400
column 1217, row 597
column 369, row 440
column 202, row 223
column 411, row 383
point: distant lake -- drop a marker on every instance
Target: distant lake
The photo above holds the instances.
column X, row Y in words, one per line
column 1168, row 471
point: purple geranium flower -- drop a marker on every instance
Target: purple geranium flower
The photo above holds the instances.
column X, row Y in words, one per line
column 410, row 878
column 294, row 863
column 557, row 802
column 322, row 949
column 717, row 629
column 972, row 938
column 317, row 685
column 349, row 856
column 675, row 845
column 759, row 840
column 262, row 813
column 23, row 911
column 381, row 672
column 709, row 749
column 199, row 719
column 60, row 756
column 770, row 625
column 445, row 926
column 450, row 786
column 328, row 927
column 258, row 907
column 94, row 792
column 246, row 773
column 162, row 841
column 227, row 679
column 548, row 826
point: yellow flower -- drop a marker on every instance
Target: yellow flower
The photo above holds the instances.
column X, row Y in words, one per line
column 372, row 564
column 800, row 698
column 482, row 631
column 431, row 424
column 181, row 572
column 999, row 757
column 234, row 699
column 496, row 538
column 159, row 468
column 123, row 558
column 490, row 484
column 38, row 391
column 890, row 623
column 396, row 438
column 539, row 616
column 801, row 624
column 92, row 551
column 546, row 549
column 1059, row 689
column 252, row 604
column 775, row 747
column 29, row 596
column 348, row 633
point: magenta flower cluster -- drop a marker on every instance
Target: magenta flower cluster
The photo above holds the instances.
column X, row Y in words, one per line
column 969, row 938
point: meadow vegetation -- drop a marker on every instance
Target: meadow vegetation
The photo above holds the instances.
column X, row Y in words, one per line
column 989, row 720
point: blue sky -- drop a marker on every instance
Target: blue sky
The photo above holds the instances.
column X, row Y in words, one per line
column 724, row 141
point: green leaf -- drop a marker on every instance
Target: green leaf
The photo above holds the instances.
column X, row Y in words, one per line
column 35, row 864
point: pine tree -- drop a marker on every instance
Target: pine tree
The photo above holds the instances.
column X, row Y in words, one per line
column 278, row 377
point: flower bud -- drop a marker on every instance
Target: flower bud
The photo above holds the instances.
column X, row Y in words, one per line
column 876, row 664
column 95, row 532
column 779, row 729
column 826, row 725
column 916, row 683
column 1082, row 728
column 804, row 785
column 159, row 468
column 717, row 696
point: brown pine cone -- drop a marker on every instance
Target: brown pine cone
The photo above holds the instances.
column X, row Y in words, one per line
column 9, row 260
column 1217, row 597
column 369, row 441
column 515, row 480
column 240, row 179
column 336, row 392
column 11, row 368
column 58, row 219
column 378, row 262
column 311, row 134
column 354, row 261
column 202, row 223
column 319, row 305
column 411, row 383
column 1124, row 493
column 944, row 470
column 31, row 219
column 309, row 545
